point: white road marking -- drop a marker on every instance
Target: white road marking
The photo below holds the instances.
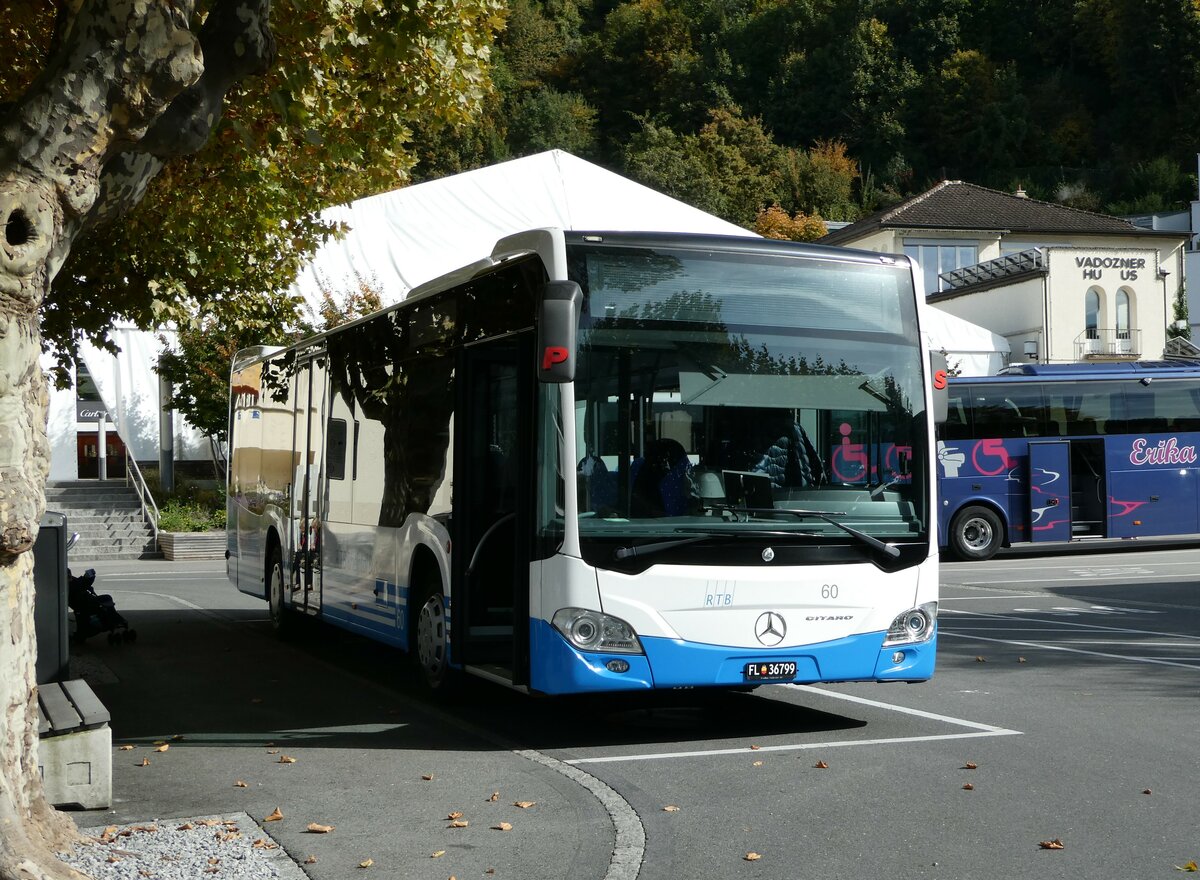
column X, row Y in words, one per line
column 978, row 730
column 1021, row 644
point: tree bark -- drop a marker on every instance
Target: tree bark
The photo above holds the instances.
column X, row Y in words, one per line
column 121, row 69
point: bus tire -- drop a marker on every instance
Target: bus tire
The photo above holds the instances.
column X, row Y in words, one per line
column 431, row 648
column 976, row 533
column 281, row 616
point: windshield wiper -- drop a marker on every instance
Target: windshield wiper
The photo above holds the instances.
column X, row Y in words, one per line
column 645, row 549
column 654, row 547
column 869, row 540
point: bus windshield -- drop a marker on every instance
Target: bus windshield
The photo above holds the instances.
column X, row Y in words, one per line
column 728, row 392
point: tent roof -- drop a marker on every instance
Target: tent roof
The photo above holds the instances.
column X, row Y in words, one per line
column 403, row 238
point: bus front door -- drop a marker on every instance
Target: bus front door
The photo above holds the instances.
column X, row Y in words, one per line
column 308, row 457
column 1050, row 490
column 493, row 491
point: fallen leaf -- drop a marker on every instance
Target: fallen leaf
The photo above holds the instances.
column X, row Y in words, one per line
column 272, row 751
column 214, row 861
column 112, row 860
column 240, row 784
column 524, row 805
column 1056, row 843
column 286, row 759
column 502, row 826
column 427, row 776
column 495, row 797
column 208, row 823
column 314, row 828
column 162, row 748
column 1190, row 868
column 457, row 814
column 755, row 748
column 458, row 823
column 226, row 836
column 751, row 857
column 670, row 808
column 1020, row 659
column 967, row 786
column 188, row 826
column 145, row 763
column 274, row 817
column 980, row 659
column 177, row 737
column 490, row 871
column 126, row 748
column 366, row 863
column 311, row 860
column 970, row 765
column 757, row 764
column 820, row 765
column 1146, row 791
column 438, row 854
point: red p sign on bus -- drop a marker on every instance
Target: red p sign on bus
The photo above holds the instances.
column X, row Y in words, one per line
column 558, row 320
column 554, row 354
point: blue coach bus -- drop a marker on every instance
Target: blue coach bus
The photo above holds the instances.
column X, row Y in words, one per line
column 1069, row 452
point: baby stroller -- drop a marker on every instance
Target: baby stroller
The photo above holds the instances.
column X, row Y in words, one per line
column 95, row 614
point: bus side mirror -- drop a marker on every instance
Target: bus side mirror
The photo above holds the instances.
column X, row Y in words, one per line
column 558, row 324
column 939, row 370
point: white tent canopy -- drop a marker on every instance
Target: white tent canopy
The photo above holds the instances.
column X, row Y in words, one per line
column 403, row 238
column 971, row 350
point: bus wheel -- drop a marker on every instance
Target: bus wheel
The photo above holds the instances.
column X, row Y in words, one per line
column 975, row 533
column 281, row 616
column 432, row 647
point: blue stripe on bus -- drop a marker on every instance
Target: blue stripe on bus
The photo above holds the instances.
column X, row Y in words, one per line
column 558, row 668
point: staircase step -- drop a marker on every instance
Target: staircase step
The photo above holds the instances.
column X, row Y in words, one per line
column 108, row 518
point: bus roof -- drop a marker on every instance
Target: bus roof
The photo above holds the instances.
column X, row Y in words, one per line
column 1077, row 372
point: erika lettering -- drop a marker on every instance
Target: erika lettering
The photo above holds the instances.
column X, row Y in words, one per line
column 1165, row 452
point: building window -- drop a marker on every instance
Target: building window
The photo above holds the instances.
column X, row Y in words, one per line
column 1123, row 314
column 1091, row 318
column 936, row 257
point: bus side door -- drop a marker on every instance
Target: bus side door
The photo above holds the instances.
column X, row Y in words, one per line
column 1050, row 490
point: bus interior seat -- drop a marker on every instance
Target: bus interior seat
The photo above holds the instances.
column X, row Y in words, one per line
column 792, row 460
column 659, row 482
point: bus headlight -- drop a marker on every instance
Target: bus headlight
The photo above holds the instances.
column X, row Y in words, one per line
column 595, row 631
column 914, row 625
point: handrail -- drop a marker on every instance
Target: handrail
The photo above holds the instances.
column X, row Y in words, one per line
column 148, row 514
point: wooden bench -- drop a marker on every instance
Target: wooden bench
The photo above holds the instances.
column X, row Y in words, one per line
column 75, row 745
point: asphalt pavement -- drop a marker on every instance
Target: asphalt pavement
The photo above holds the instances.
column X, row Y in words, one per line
column 213, row 715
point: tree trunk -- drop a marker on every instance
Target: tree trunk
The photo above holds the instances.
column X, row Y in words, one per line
column 127, row 87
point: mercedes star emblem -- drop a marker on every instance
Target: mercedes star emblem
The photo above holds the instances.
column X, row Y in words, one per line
column 770, row 628
column 768, row 555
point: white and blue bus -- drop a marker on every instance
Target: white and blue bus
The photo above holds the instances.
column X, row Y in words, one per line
column 604, row 462
column 1069, row 452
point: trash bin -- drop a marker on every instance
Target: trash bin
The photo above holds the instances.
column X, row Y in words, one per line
column 50, row 599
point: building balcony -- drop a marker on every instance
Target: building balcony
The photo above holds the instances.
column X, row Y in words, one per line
column 1108, row 344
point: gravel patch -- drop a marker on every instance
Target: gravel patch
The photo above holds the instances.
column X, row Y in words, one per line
column 232, row 846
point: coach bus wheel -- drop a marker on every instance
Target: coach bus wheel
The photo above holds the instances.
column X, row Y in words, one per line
column 276, row 587
column 976, row 533
column 432, row 648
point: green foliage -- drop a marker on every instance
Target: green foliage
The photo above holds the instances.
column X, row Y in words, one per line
column 185, row 516
column 333, row 120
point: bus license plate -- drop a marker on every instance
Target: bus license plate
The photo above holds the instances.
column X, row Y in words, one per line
column 769, row 670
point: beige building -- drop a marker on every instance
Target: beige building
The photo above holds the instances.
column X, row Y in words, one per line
column 1060, row 284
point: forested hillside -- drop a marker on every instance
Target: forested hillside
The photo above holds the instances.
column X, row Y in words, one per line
column 838, row 107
